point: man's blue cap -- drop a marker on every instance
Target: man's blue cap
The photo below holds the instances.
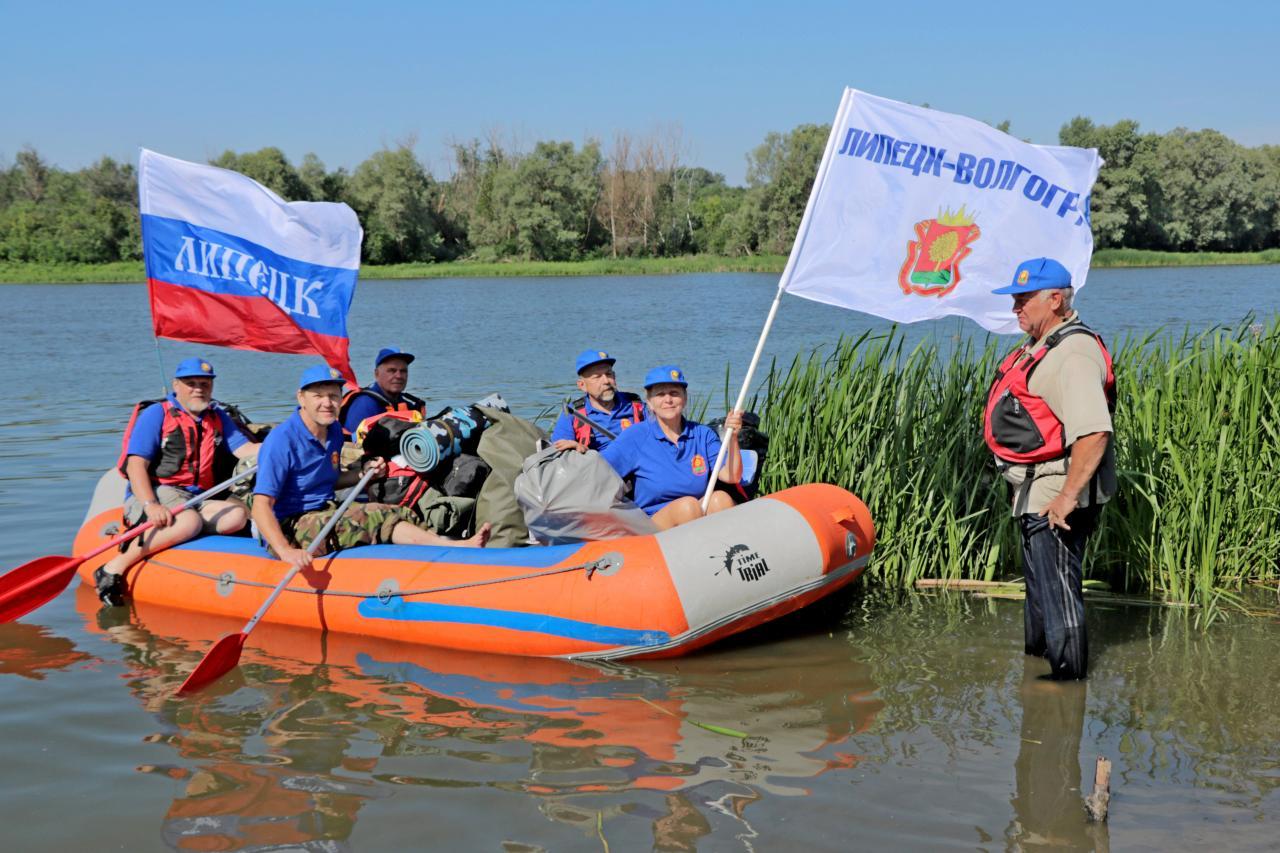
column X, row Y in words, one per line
column 391, row 352
column 1037, row 274
column 320, row 373
column 589, row 357
column 194, row 367
column 667, row 373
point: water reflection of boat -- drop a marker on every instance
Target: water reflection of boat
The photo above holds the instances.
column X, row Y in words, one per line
column 33, row 650
column 316, row 725
column 634, row 597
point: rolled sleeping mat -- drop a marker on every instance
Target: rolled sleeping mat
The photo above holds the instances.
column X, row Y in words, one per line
column 420, row 448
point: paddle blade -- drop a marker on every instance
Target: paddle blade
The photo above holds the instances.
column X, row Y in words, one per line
column 32, row 584
column 220, row 660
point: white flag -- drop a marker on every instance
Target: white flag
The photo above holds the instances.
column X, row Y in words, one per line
column 917, row 214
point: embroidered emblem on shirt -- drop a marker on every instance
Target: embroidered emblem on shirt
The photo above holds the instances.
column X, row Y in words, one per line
column 699, row 465
column 334, row 459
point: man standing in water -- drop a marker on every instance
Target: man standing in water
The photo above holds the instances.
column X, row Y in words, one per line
column 1048, row 421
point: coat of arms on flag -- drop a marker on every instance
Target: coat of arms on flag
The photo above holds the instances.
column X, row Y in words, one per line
column 932, row 267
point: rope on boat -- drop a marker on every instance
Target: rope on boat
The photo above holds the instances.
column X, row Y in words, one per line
column 226, row 577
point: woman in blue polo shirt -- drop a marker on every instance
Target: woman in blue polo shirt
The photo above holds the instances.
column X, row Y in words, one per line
column 671, row 456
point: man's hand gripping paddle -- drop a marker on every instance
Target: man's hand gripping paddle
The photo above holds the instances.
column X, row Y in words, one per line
column 225, row 654
column 35, row 583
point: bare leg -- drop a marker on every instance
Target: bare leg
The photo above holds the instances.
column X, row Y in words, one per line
column 720, row 501
column 679, row 511
column 405, row 533
column 224, row 517
column 187, row 525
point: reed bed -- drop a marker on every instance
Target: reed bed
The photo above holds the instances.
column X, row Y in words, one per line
column 1198, row 436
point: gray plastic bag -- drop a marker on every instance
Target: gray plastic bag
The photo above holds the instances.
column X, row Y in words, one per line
column 567, row 496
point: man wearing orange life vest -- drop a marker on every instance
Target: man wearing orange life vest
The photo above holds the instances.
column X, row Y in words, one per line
column 386, row 394
column 1048, row 422
column 169, row 454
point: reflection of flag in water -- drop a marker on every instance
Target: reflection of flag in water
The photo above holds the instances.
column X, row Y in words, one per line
column 932, row 267
column 230, row 263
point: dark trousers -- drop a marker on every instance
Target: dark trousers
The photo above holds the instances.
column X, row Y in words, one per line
column 1053, row 615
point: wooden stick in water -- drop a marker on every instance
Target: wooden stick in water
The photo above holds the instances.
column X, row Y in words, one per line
column 1099, row 801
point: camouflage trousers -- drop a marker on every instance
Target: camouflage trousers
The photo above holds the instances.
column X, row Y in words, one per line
column 362, row 524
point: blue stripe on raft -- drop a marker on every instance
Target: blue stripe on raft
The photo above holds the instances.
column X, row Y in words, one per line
column 399, row 610
column 536, row 557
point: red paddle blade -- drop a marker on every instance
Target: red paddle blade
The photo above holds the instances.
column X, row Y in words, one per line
column 32, row 584
column 220, row 660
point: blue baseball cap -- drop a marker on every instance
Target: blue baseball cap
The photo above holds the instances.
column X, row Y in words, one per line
column 1037, row 274
column 588, row 357
column 317, row 374
column 391, row 352
column 194, row 367
column 667, row 373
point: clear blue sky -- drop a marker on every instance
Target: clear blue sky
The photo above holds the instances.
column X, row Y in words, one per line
column 81, row 80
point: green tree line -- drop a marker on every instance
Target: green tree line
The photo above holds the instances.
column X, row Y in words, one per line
column 636, row 197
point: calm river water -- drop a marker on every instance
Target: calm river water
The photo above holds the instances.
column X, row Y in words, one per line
column 913, row 725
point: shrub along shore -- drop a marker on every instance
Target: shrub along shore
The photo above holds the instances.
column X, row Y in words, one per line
column 1198, row 445
column 131, row 271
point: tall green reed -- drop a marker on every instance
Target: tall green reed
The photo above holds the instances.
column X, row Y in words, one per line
column 1197, row 446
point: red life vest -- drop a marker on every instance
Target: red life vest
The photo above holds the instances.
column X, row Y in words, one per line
column 188, row 447
column 582, row 431
column 408, row 403
column 1018, row 426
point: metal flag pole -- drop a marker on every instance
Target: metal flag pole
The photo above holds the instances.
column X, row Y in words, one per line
column 146, row 267
column 796, row 247
column 164, row 386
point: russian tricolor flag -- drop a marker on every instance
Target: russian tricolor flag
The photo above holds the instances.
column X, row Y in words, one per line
column 230, row 263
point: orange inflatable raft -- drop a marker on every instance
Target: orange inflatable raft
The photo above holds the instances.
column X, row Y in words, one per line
column 653, row 596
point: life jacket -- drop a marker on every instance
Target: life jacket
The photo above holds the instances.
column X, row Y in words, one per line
column 408, row 403
column 582, row 430
column 1018, row 426
column 188, row 447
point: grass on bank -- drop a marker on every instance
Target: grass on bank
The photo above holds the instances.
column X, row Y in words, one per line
column 1198, row 445
column 131, row 271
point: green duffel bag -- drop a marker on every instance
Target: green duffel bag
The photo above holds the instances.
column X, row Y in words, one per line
column 504, row 445
column 448, row 515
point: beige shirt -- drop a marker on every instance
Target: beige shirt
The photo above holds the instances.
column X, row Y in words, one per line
column 1071, row 379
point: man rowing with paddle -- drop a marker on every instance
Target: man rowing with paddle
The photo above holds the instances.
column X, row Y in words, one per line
column 298, row 471
column 602, row 405
column 171, row 447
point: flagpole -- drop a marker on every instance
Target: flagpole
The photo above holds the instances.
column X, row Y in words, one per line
column 801, row 234
column 164, row 386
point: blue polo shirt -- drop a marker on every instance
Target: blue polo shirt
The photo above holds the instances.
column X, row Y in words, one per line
column 295, row 469
column 145, row 439
column 664, row 471
column 622, row 417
